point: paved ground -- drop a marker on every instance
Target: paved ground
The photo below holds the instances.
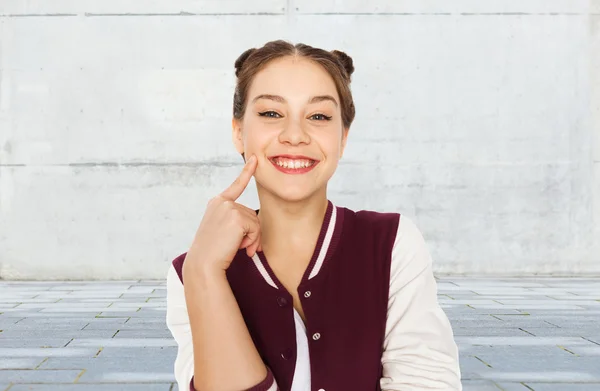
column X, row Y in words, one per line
column 514, row 335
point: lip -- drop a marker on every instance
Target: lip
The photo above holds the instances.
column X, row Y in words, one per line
column 293, row 157
column 285, row 170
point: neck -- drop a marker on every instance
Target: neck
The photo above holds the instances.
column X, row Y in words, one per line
column 285, row 223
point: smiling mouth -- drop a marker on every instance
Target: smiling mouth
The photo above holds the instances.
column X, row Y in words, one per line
column 293, row 164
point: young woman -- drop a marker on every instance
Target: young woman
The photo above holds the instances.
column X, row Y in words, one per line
column 303, row 295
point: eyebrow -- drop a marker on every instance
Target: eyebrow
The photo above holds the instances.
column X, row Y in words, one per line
column 322, row 98
column 281, row 99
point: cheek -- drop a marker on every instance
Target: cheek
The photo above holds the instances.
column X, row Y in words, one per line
column 332, row 145
column 248, row 131
column 255, row 136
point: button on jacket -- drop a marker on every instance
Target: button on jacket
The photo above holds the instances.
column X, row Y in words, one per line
column 369, row 297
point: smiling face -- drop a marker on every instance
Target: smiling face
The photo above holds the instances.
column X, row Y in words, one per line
column 293, row 124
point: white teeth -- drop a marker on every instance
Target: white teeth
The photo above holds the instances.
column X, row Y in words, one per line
column 293, row 164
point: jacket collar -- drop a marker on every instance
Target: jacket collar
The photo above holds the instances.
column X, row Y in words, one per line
column 328, row 238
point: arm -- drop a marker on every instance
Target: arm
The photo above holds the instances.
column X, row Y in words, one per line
column 419, row 349
column 214, row 332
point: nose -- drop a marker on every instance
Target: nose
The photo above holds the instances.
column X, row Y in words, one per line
column 294, row 134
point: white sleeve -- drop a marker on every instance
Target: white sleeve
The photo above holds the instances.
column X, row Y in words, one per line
column 178, row 323
column 419, row 348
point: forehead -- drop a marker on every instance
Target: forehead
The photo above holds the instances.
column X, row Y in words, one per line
column 292, row 77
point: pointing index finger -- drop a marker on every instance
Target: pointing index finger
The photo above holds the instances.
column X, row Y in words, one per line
column 235, row 190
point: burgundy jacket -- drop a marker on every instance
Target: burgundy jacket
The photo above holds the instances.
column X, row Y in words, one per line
column 344, row 293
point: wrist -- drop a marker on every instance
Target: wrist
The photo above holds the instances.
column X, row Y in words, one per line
column 202, row 271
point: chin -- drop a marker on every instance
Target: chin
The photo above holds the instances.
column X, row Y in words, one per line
column 291, row 193
column 294, row 195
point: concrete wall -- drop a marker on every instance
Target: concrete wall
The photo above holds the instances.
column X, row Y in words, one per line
column 479, row 119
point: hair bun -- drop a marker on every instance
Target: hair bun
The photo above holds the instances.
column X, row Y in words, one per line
column 239, row 63
column 345, row 60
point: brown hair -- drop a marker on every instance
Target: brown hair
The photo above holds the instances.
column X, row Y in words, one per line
column 338, row 64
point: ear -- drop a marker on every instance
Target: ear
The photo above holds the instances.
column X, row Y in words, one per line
column 236, row 135
column 344, row 140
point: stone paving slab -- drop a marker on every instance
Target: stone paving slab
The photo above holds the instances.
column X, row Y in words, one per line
column 45, row 352
column 514, row 334
column 40, row 375
column 488, row 385
column 132, row 352
column 109, row 364
column 33, row 333
column 20, row 363
column 563, row 387
column 20, row 342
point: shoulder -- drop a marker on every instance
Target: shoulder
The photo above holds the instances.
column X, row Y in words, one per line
column 402, row 228
column 403, row 224
column 408, row 231
column 396, row 234
column 376, row 218
column 372, row 222
column 410, row 255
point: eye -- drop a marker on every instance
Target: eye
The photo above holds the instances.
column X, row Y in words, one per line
column 269, row 114
column 320, row 117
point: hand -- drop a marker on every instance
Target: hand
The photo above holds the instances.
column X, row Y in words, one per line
column 226, row 227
